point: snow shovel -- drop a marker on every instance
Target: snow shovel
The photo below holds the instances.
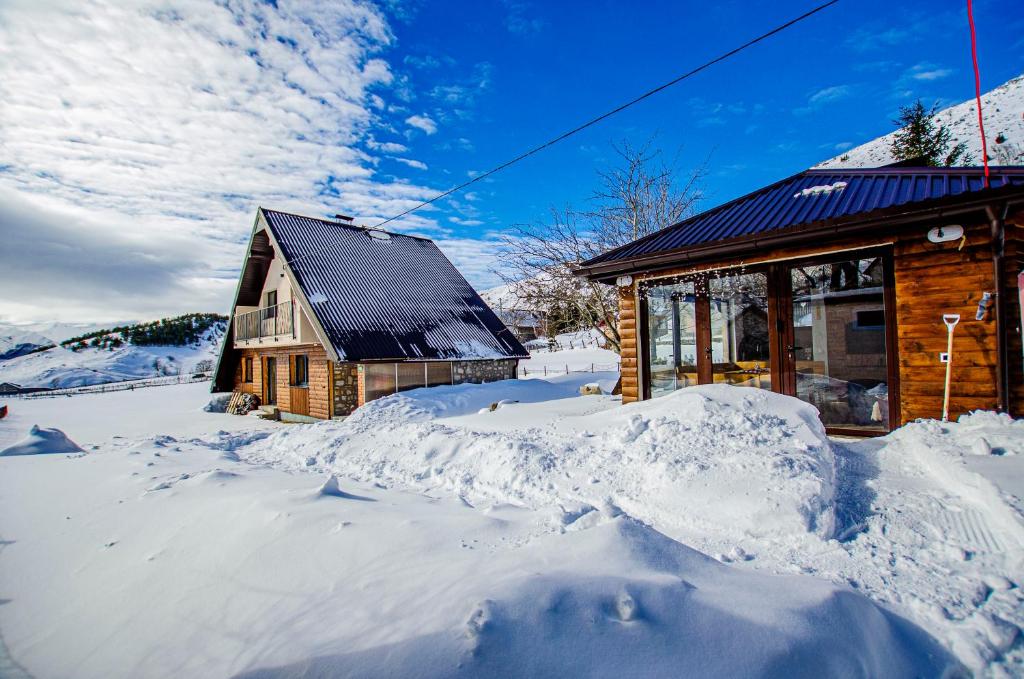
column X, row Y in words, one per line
column 950, row 320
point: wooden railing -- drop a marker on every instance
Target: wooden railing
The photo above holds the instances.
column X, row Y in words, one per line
column 270, row 321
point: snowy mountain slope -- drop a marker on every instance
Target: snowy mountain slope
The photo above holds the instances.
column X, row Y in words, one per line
column 54, row 331
column 20, row 343
column 1003, row 110
column 60, row 367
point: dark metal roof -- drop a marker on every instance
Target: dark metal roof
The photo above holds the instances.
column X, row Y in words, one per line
column 799, row 201
column 396, row 297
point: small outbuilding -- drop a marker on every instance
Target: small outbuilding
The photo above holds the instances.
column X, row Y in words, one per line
column 9, row 388
column 328, row 316
column 831, row 286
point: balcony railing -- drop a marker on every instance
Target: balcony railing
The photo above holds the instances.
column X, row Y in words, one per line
column 271, row 321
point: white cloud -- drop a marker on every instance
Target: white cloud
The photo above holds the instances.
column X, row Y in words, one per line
column 919, row 73
column 418, row 164
column 143, row 135
column 464, row 222
column 422, row 122
column 829, row 94
column 476, row 259
column 387, row 146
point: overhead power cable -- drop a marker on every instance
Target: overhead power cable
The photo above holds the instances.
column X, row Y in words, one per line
column 618, row 109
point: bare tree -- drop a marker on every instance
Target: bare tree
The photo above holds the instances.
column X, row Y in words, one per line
column 638, row 196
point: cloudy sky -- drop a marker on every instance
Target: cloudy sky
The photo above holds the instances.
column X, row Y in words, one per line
column 137, row 138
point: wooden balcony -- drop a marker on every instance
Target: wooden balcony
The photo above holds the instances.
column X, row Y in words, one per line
column 271, row 321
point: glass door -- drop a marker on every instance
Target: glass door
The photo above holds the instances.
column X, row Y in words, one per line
column 739, row 336
column 671, row 337
column 837, row 347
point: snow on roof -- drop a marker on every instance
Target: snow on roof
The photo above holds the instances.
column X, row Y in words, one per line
column 387, row 298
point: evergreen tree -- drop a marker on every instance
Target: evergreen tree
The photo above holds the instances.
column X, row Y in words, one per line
column 921, row 136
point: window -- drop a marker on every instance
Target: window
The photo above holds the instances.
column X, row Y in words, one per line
column 247, row 369
column 271, row 304
column 300, row 370
column 872, row 319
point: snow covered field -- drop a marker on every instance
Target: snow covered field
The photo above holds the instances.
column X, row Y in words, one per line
column 714, row 532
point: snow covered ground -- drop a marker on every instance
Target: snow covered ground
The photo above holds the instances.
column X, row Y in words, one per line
column 569, row 360
column 713, row 532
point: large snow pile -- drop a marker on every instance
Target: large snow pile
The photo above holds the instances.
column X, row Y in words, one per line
column 668, row 461
column 42, row 441
column 555, row 535
column 187, row 561
column 1003, row 108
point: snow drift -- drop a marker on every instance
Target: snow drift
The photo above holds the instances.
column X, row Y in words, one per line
column 621, row 600
column 669, row 461
column 42, row 442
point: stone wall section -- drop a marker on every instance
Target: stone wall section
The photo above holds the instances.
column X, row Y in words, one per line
column 484, row 371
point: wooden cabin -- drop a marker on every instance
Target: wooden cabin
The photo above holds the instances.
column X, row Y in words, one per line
column 831, row 286
column 328, row 316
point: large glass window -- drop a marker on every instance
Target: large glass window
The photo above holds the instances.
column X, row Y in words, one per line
column 740, row 347
column 671, row 337
column 839, row 341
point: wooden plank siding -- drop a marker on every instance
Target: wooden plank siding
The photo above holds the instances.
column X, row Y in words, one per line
column 316, row 396
column 929, row 280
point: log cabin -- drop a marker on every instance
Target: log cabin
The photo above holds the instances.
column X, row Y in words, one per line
column 328, row 316
column 831, row 286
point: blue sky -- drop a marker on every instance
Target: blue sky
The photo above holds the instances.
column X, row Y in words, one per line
column 138, row 139
column 780, row 107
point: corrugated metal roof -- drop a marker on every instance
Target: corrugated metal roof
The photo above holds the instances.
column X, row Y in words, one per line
column 813, row 196
column 398, row 298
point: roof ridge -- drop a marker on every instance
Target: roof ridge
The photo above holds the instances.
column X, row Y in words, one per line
column 354, row 227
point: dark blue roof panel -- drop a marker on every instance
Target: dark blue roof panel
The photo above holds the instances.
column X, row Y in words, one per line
column 815, row 196
column 387, row 297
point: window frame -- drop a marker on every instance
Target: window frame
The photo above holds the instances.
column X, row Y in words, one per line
column 247, row 372
column 294, row 372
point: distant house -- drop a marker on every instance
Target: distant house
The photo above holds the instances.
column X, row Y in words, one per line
column 9, row 388
column 528, row 323
column 328, row 316
column 831, row 286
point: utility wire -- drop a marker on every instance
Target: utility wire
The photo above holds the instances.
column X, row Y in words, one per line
column 618, row 109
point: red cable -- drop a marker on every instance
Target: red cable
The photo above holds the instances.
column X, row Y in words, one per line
column 977, row 90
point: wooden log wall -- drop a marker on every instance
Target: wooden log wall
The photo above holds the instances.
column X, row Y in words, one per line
column 933, row 279
column 317, row 394
column 629, row 345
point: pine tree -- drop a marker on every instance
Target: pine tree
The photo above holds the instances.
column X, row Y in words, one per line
column 921, row 136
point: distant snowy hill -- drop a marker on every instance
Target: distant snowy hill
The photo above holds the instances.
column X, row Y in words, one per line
column 15, row 343
column 26, row 360
column 1003, row 110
